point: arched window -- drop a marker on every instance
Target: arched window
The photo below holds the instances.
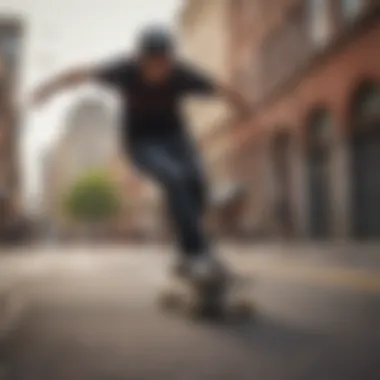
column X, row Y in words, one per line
column 351, row 8
column 366, row 104
column 319, row 22
column 319, row 130
column 281, row 150
column 365, row 116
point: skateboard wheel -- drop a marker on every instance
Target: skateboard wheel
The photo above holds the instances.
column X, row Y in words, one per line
column 194, row 310
column 243, row 309
column 169, row 301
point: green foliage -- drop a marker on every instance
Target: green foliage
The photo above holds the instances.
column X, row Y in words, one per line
column 92, row 199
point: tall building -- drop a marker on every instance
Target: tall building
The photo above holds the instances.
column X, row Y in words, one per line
column 11, row 35
column 310, row 155
column 88, row 144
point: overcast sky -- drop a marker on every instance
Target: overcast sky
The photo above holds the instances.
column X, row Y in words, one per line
column 61, row 33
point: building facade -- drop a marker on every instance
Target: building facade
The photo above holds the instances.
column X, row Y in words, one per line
column 11, row 36
column 310, row 155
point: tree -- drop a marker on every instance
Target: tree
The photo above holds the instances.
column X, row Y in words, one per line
column 93, row 199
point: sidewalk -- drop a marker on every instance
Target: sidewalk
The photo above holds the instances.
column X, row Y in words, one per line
column 350, row 254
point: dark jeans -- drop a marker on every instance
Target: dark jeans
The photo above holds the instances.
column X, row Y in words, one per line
column 172, row 162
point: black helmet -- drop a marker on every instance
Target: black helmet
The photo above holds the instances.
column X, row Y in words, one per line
column 156, row 40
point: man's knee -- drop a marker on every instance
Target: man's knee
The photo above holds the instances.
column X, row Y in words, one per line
column 196, row 182
column 176, row 180
column 190, row 182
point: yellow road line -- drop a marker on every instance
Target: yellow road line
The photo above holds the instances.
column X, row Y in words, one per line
column 356, row 279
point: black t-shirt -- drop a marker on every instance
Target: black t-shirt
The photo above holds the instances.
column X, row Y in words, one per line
column 152, row 110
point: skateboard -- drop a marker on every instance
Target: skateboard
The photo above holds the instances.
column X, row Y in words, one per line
column 226, row 298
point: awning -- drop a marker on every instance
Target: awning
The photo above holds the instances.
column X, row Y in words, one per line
column 227, row 194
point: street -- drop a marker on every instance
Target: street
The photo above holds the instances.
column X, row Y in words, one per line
column 90, row 313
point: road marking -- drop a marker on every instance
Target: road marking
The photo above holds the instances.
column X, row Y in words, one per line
column 281, row 269
column 356, row 279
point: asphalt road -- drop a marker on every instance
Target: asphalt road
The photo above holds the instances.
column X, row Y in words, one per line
column 90, row 313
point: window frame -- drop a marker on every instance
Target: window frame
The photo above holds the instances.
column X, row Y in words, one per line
column 319, row 22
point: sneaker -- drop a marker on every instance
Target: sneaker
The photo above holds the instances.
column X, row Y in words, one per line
column 181, row 265
column 206, row 267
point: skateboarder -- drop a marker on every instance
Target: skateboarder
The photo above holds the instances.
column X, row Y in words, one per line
column 151, row 85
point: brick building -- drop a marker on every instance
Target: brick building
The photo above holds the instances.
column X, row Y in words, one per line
column 310, row 155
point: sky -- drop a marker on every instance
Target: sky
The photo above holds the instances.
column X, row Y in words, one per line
column 63, row 33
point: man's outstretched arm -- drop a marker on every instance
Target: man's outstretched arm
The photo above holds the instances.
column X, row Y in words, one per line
column 236, row 100
column 67, row 80
column 196, row 82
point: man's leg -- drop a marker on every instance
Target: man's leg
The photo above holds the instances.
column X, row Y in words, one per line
column 158, row 161
column 197, row 186
column 185, row 154
column 191, row 165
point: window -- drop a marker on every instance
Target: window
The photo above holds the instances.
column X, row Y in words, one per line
column 367, row 103
column 319, row 23
column 319, row 130
column 282, row 146
column 10, row 40
column 350, row 8
column 285, row 49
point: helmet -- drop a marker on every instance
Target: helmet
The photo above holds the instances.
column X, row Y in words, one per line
column 156, row 40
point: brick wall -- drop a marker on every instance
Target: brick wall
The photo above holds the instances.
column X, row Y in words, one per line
column 326, row 78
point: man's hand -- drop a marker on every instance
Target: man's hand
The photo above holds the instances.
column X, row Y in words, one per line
column 241, row 107
column 243, row 114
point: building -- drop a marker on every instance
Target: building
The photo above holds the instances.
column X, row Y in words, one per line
column 90, row 143
column 87, row 144
column 310, row 155
column 204, row 37
column 11, row 35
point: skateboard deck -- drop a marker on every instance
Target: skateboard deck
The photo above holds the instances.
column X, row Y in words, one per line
column 229, row 298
